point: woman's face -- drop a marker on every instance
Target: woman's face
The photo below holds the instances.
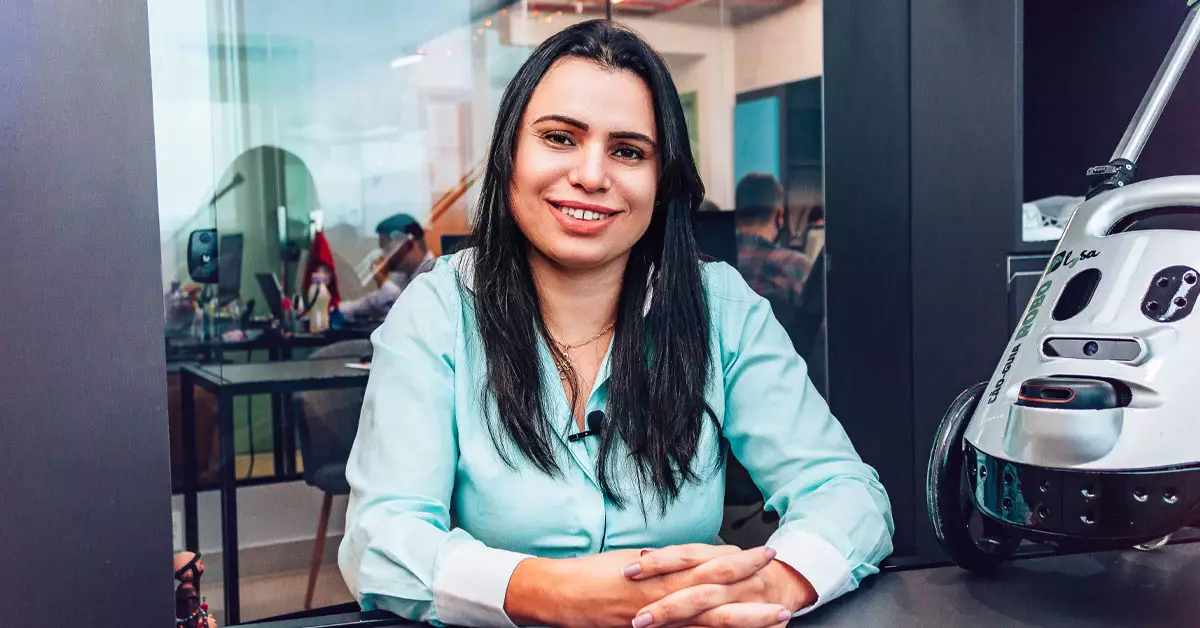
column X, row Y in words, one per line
column 586, row 169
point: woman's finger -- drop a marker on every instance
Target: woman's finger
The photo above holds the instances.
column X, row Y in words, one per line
column 743, row 615
column 731, row 567
column 683, row 606
column 675, row 558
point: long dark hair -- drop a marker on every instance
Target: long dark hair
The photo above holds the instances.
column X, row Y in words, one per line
column 660, row 360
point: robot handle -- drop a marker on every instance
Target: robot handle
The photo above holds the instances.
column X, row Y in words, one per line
column 1161, row 88
column 1107, row 211
column 1122, row 166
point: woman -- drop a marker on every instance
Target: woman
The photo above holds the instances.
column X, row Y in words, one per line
column 582, row 301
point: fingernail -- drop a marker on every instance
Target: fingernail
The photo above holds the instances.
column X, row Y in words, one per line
column 643, row 620
column 771, row 553
column 646, row 551
column 784, row 615
column 632, row 570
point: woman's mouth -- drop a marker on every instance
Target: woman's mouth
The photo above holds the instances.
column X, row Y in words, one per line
column 581, row 218
column 581, row 214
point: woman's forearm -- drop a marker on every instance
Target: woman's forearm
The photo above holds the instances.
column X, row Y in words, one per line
column 530, row 599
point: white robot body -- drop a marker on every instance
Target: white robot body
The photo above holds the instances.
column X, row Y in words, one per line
column 1087, row 435
column 1155, row 364
column 1088, row 427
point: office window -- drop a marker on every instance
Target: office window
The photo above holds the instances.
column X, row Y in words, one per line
column 276, row 120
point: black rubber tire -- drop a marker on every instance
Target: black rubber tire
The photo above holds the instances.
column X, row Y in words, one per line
column 947, row 493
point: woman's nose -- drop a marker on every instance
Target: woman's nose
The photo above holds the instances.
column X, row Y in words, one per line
column 590, row 171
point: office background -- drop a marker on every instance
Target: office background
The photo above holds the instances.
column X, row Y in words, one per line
column 120, row 121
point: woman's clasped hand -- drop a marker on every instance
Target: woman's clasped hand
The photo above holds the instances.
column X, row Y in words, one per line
column 682, row 585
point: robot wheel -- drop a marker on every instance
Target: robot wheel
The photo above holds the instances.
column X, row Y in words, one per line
column 972, row 541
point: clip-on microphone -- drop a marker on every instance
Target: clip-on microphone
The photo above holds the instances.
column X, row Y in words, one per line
column 595, row 422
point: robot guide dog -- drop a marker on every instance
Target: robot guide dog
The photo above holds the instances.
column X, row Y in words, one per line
column 1087, row 435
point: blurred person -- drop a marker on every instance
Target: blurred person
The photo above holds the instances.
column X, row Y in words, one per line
column 404, row 256
column 775, row 272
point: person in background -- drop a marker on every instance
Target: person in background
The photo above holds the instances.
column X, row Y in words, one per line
column 405, row 256
column 773, row 271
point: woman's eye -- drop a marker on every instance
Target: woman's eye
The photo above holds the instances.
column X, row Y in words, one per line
column 627, row 152
column 561, row 139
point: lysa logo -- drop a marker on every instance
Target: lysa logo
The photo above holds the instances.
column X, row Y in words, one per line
column 1069, row 259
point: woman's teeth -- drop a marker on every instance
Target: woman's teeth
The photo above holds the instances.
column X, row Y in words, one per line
column 582, row 214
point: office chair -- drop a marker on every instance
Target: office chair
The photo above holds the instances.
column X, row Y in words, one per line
column 810, row 318
column 327, row 421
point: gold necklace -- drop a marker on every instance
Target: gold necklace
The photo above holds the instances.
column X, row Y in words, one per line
column 564, row 364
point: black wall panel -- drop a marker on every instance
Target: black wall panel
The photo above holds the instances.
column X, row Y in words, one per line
column 85, row 529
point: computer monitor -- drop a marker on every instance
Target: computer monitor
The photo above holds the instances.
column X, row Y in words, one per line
column 229, row 279
column 716, row 235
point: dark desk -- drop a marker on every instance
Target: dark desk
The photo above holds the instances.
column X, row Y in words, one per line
column 277, row 345
column 227, row 381
column 1109, row 589
column 187, row 350
column 1105, row 590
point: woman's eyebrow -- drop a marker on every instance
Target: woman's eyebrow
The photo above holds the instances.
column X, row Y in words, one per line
column 633, row 135
column 555, row 117
column 583, row 126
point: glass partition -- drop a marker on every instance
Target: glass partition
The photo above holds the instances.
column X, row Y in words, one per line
column 324, row 141
column 297, row 129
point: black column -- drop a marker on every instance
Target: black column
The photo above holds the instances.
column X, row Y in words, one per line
column 868, row 243
column 923, row 165
column 85, row 529
column 966, row 195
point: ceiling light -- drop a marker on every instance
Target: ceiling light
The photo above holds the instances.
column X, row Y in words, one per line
column 488, row 23
column 400, row 62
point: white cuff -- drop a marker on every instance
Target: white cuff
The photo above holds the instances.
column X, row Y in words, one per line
column 471, row 584
column 817, row 560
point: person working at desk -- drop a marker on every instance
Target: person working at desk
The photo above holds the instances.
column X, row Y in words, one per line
column 775, row 272
column 568, row 385
column 404, row 257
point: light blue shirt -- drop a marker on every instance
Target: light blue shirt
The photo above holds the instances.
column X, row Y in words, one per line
column 423, row 451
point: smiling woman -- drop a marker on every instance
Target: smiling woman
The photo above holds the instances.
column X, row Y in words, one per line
column 581, row 308
column 587, row 154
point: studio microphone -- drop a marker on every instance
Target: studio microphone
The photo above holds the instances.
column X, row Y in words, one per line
column 595, row 422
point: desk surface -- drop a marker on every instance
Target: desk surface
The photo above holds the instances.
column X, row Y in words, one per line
column 1127, row 588
column 294, row 371
column 1109, row 589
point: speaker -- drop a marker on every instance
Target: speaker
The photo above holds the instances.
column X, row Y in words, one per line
column 202, row 256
